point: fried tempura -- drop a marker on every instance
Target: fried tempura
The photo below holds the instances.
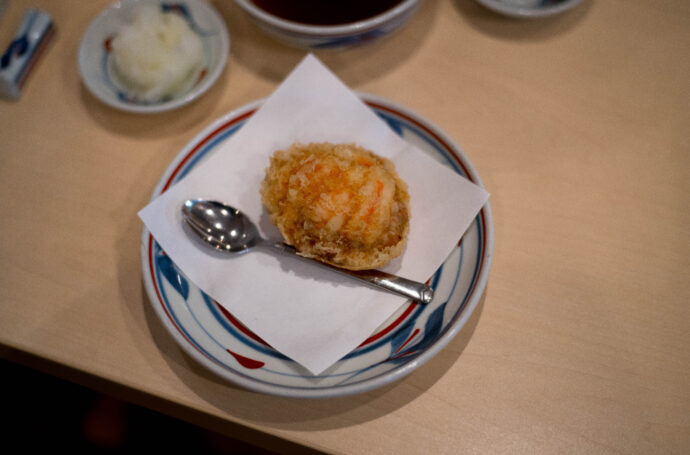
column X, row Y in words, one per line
column 338, row 203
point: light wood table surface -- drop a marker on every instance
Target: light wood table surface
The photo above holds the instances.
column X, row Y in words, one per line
column 579, row 126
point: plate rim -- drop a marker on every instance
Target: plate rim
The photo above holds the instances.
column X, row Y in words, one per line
column 339, row 390
column 206, row 84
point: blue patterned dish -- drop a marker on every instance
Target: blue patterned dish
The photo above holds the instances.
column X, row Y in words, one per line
column 331, row 36
column 211, row 335
column 95, row 63
column 528, row 9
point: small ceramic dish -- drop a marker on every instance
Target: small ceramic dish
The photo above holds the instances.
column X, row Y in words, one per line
column 331, row 36
column 529, row 9
column 95, row 62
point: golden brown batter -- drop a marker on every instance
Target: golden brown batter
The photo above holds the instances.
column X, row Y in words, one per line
column 338, row 203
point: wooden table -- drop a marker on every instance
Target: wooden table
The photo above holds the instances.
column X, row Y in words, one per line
column 579, row 127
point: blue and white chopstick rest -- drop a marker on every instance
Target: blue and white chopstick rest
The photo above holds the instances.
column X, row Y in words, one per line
column 35, row 31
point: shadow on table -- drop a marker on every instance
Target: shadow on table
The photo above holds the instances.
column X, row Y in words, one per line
column 514, row 29
column 270, row 59
column 78, row 418
column 306, row 414
column 157, row 125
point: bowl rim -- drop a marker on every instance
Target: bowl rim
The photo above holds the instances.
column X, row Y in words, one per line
column 351, row 27
column 528, row 12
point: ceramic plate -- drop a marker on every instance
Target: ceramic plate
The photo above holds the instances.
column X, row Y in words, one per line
column 95, row 63
column 211, row 335
column 529, row 8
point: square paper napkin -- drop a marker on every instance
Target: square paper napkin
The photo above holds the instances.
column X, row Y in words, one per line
column 311, row 315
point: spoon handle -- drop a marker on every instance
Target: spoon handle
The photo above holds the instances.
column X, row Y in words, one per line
column 392, row 283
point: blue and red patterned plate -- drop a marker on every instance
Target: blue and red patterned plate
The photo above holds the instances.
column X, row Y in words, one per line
column 217, row 340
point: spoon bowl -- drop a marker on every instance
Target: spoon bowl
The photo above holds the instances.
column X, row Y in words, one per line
column 227, row 229
column 223, row 227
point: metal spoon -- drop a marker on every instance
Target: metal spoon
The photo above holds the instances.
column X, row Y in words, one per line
column 227, row 229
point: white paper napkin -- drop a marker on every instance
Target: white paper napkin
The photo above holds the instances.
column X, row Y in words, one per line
column 313, row 316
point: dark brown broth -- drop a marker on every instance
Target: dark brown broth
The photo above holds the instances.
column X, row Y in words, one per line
column 325, row 12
